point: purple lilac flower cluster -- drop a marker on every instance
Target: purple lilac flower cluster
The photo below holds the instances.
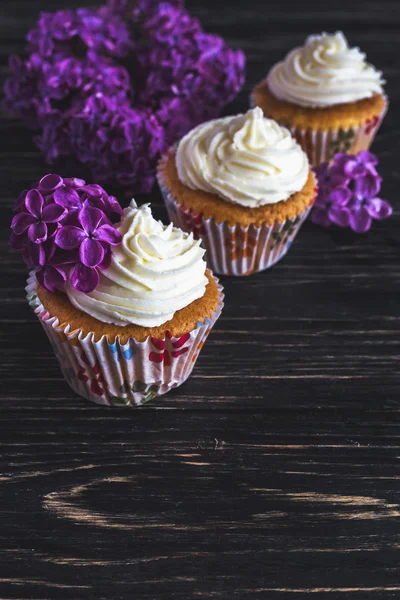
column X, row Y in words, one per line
column 113, row 87
column 348, row 191
column 64, row 225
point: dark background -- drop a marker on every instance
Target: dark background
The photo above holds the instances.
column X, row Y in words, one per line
column 274, row 471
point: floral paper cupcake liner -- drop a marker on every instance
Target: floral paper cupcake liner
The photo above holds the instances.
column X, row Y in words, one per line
column 115, row 374
column 234, row 249
column 322, row 145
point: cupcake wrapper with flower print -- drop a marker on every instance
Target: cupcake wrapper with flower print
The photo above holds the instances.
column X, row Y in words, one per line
column 116, row 374
column 234, row 249
column 322, row 145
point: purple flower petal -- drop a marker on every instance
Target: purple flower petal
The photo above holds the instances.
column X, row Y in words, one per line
column 338, row 179
column 84, row 279
column 319, row 216
column 70, row 237
column 53, row 213
column 354, row 168
column 37, row 232
column 105, row 263
column 51, row 278
column 21, row 222
column 99, row 203
column 34, row 202
column 367, row 158
column 378, row 208
column 107, row 233
column 367, row 186
column 360, row 221
column 55, row 277
column 74, row 182
column 41, row 277
column 38, row 255
column 49, row 183
column 67, row 197
column 91, row 253
column 340, row 195
column 340, row 157
column 93, row 190
column 113, row 205
column 90, row 218
column 339, row 215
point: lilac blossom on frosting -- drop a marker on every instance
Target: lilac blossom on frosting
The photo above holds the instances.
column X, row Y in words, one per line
column 62, row 228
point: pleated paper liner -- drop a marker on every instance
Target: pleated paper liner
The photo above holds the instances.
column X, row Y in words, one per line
column 322, row 145
column 115, row 374
column 233, row 249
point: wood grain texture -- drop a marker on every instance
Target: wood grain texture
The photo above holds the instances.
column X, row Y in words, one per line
column 273, row 473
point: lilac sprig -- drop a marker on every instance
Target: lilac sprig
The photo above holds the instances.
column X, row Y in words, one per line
column 348, row 191
column 63, row 228
column 113, row 87
column 37, row 220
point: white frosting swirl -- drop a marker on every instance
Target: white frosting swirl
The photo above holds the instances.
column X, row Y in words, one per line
column 155, row 271
column 246, row 159
column 324, row 72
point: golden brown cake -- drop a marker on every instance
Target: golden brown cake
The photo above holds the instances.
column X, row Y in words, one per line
column 212, row 206
column 185, row 320
column 336, row 116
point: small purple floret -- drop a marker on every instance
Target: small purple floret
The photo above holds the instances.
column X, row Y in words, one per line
column 348, row 193
column 37, row 219
column 62, row 228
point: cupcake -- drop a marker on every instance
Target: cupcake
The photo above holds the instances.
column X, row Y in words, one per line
column 326, row 93
column 127, row 308
column 243, row 185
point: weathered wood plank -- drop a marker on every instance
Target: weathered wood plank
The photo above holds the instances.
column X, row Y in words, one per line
column 274, row 472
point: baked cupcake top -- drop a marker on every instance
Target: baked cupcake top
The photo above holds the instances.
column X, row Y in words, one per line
column 245, row 159
column 324, row 72
column 155, row 271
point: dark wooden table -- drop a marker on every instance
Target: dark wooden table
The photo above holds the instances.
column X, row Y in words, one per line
column 274, row 472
